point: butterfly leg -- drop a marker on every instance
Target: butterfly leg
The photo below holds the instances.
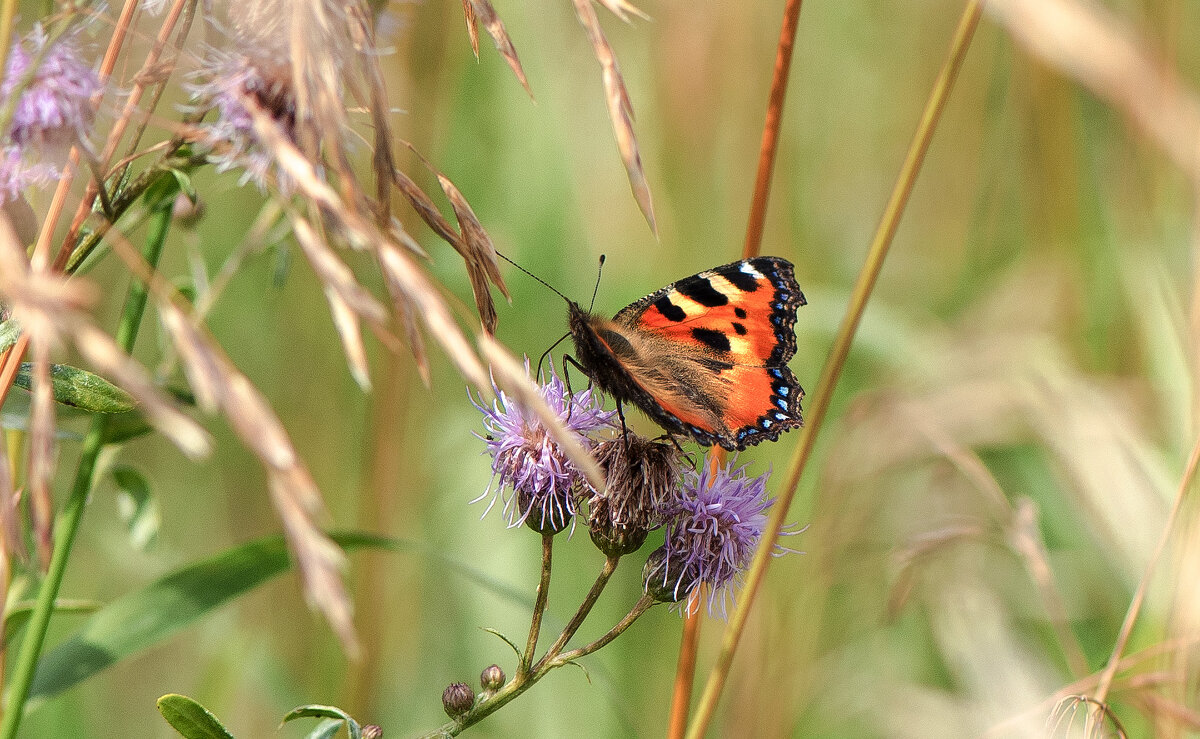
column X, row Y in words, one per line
column 547, row 353
column 567, row 377
column 621, row 415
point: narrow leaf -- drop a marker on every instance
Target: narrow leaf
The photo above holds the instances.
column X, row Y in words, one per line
column 191, row 719
column 146, row 617
column 316, row 711
column 16, row 619
column 327, row 729
column 79, row 389
column 140, row 620
column 507, row 641
column 137, row 506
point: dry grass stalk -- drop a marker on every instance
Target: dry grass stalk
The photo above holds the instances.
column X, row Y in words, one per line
column 50, row 307
column 623, row 10
column 620, row 109
column 513, row 378
column 221, row 386
column 472, row 26
column 1090, row 44
column 483, row 10
column 41, row 452
column 473, row 244
column 408, row 282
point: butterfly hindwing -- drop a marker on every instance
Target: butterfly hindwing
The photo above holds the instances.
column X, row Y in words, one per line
column 705, row 356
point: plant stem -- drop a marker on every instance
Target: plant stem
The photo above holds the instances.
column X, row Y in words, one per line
column 1135, row 606
column 638, row 609
column 549, row 661
column 610, row 566
column 539, row 606
column 832, row 370
column 67, row 524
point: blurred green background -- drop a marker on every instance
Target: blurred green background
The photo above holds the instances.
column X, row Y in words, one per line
column 997, row 465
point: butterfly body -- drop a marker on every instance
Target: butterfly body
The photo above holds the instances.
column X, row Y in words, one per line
column 705, row 356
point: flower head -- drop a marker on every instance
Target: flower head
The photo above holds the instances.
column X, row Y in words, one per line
column 232, row 83
column 54, row 104
column 716, row 522
column 527, row 459
column 641, row 478
column 16, row 175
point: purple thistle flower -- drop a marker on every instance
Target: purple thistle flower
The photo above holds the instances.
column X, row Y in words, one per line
column 55, row 105
column 715, row 525
column 230, row 81
column 526, row 458
column 16, row 175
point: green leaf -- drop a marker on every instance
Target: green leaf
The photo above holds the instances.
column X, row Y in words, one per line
column 146, row 617
column 184, row 181
column 507, row 641
column 161, row 193
column 19, row 615
column 327, row 729
column 137, row 506
column 191, row 719
column 315, row 711
column 10, row 331
column 142, row 619
column 79, row 389
column 125, row 426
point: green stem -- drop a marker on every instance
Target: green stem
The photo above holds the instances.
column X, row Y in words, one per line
column 610, row 566
column 67, row 524
column 552, row 660
column 539, row 607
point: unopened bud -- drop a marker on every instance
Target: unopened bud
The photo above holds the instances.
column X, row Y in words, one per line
column 492, row 678
column 457, row 699
column 665, row 581
column 372, row 731
column 550, row 518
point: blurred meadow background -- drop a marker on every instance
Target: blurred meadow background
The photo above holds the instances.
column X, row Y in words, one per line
column 996, row 469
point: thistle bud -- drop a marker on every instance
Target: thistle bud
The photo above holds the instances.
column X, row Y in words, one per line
column 617, row 541
column 545, row 514
column 457, row 699
column 492, row 678
column 372, row 731
column 665, row 580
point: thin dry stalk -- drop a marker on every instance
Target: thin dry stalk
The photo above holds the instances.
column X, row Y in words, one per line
column 220, row 386
column 769, row 147
column 1139, row 597
column 1090, row 44
column 483, row 11
column 836, row 361
column 620, row 109
column 473, row 244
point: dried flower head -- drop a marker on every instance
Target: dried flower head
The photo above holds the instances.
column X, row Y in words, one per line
column 527, row 459
column 54, row 103
column 641, row 478
column 232, row 82
column 716, row 522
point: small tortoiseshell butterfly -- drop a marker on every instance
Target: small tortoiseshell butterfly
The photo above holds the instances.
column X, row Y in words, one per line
column 705, row 356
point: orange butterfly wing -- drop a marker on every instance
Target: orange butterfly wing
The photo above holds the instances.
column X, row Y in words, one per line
column 727, row 333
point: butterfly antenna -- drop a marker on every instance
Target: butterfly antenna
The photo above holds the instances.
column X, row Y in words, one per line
column 599, row 271
column 539, row 279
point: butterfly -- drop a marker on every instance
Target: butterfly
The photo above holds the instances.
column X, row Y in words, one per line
column 705, row 356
